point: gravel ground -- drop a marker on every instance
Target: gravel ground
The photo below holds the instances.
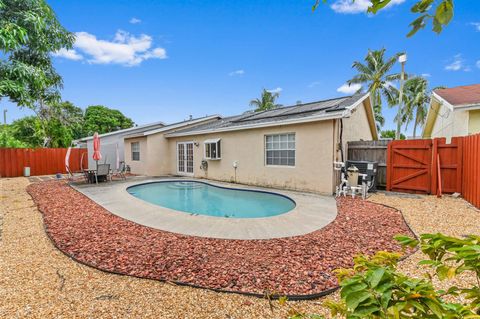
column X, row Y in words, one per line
column 38, row 281
column 300, row 265
column 429, row 214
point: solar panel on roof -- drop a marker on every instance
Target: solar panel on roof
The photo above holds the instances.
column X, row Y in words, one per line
column 292, row 110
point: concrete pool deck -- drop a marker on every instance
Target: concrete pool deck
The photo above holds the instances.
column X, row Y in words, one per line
column 311, row 213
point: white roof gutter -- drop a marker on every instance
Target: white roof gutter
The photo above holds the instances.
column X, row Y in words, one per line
column 443, row 101
column 322, row 117
column 251, row 126
column 178, row 125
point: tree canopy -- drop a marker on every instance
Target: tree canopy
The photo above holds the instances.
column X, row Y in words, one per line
column 440, row 13
column 391, row 134
column 266, row 101
column 64, row 123
column 101, row 119
column 29, row 32
column 374, row 73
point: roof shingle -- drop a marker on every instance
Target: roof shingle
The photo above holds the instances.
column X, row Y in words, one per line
column 461, row 95
column 331, row 107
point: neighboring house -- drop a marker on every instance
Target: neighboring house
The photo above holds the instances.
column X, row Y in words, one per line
column 290, row 147
column 453, row 112
column 109, row 142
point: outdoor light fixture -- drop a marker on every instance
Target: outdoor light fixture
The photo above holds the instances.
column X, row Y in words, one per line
column 401, row 59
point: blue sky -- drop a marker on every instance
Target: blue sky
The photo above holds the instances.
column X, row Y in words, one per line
column 164, row 60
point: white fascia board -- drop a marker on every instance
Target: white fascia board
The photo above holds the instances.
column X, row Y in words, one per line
column 349, row 109
column 171, row 127
column 321, row 117
column 443, row 101
column 467, row 107
column 84, row 139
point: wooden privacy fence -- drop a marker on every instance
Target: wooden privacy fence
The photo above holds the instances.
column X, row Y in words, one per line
column 471, row 169
column 42, row 161
column 432, row 166
column 374, row 151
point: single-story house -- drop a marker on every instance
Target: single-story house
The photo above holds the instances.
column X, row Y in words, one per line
column 110, row 141
column 453, row 112
column 290, row 147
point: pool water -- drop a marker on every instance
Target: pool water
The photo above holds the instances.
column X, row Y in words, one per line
column 206, row 199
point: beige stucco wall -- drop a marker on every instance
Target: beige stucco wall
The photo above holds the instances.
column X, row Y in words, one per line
column 450, row 123
column 474, row 122
column 316, row 145
column 356, row 127
column 137, row 167
column 158, row 158
column 314, row 155
column 155, row 162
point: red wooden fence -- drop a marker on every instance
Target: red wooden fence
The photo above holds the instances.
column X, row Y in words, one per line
column 451, row 161
column 471, row 169
column 42, row 161
column 412, row 166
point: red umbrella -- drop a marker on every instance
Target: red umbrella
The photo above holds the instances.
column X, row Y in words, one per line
column 96, row 148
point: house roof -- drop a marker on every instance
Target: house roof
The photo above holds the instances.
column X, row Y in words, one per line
column 458, row 98
column 467, row 95
column 174, row 126
column 300, row 113
column 145, row 127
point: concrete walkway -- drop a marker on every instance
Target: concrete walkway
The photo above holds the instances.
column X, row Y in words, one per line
column 311, row 213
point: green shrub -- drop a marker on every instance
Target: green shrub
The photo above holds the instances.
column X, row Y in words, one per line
column 374, row 288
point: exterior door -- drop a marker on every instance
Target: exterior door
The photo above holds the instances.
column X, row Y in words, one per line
column 185, row 158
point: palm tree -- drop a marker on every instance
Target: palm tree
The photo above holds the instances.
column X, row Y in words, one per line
column 266, row 101
column 416, row 100
column 374, row 74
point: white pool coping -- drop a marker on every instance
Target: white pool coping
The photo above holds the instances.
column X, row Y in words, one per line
column 312, row 212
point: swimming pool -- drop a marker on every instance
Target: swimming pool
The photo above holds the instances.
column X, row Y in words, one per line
column 206, row 199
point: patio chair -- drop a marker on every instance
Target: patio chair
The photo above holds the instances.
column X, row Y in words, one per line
column 74, row 177
column 103, row 171
column 120, row 172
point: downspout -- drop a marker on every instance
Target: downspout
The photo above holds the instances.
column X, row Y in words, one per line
column 341, row 139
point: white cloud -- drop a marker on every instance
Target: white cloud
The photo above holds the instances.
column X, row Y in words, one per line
column 357, row 6
column 478, row 64
column 68, row 54
column 125, row 49
column 349, row 89
column 476, row 25
column 458, row 64
column 135, row 21
column 237, row 73
column 426, row 75
column 276, row 90
column 314, row 84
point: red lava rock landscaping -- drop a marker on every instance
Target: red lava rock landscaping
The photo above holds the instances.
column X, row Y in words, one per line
column 295, row 266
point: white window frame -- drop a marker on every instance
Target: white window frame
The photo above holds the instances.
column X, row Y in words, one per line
column 132, row 151
column 280, row 149
column 217, row 143
column 184, row 159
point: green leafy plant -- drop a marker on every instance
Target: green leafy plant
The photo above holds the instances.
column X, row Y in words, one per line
column 101, row 119
column 267, row 101
column 29, row 33
column 374, row 73
column 440, row 13
column 374, row 288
